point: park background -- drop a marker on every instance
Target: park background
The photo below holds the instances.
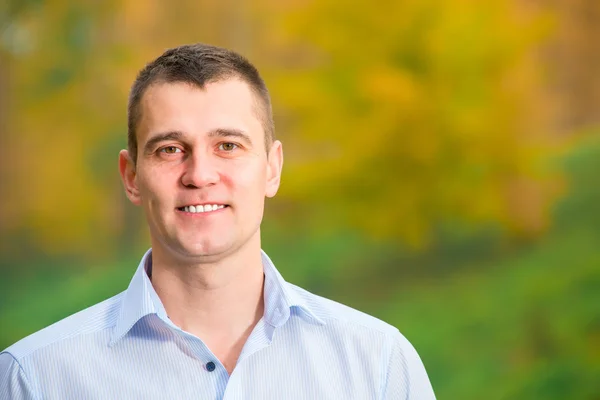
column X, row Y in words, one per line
column 441, row 169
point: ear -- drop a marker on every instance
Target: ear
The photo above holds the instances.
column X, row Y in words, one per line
column 274, row 166
column 128, row 176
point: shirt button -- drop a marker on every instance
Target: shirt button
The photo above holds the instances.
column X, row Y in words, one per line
column 210, row 366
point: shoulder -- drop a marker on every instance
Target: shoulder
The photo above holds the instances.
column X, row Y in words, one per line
column 402, row 372
column 96, row 318
column 330, row 311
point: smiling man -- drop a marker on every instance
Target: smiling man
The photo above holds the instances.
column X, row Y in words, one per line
column 207, row 315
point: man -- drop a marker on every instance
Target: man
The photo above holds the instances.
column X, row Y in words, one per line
column 207, row 315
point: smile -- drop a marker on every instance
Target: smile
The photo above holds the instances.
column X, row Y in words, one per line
column 202, row 208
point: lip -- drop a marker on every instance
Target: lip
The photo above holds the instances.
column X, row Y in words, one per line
column 202, row 203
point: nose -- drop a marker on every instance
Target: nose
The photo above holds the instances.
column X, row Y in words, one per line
column 200, row 171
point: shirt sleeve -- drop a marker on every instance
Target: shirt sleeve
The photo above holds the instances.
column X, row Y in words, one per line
column 406, row 377
column 13, row 382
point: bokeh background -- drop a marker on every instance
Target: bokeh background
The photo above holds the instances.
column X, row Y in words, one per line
column 442, row 161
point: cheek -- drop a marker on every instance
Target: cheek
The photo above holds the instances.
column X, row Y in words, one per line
column 154, row 187
column 251, row 181
column 146, row 187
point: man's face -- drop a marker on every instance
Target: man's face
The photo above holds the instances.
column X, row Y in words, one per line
column 197, row 149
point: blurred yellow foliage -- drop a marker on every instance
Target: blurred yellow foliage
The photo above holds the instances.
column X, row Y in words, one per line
column 419, row 112
column 395, row 116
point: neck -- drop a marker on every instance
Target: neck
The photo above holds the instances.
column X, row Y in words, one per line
column 219, row 302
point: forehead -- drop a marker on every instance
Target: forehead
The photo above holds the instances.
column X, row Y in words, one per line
column 184, row 107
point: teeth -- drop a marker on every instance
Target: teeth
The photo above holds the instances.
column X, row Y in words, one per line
column 200, row 208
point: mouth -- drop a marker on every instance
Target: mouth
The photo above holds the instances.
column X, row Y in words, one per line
column 202, row 208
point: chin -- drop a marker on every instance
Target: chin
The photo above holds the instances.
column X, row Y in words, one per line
column 204, row 249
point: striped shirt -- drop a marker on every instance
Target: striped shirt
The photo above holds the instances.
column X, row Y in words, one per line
column 304, row 347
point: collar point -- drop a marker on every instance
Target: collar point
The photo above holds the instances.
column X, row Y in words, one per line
column 115, row 337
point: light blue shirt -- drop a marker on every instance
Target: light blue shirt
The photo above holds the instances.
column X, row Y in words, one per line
column 304, row 347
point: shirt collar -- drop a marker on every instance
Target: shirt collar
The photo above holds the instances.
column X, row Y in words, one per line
column 140, row 299
column 281, row 299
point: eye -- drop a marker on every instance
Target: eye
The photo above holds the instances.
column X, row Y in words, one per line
column 170, row 150
column 228, row 146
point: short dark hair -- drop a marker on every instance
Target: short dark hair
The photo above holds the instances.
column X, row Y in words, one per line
column 197, row 64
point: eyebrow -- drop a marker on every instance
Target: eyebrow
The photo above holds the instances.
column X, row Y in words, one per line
column 228, row 133
column 161, row 137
